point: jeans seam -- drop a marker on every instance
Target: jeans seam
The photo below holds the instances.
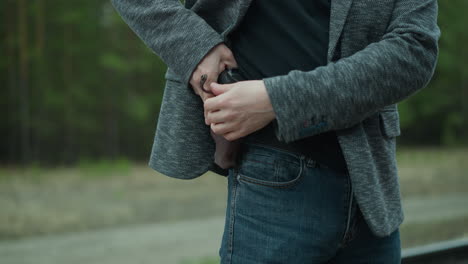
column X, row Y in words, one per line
column 292, row 154
column 353, row 228
column 349, row 209
column 233, row 210
column 282, row 185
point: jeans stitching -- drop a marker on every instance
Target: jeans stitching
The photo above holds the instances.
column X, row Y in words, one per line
column 344, row 207
column 261, row 162
column 353, row 228
column 288, row 156
column 288, row 184
column 291, row 154
column 310, row 162
column 348, row 207
column 233, row 211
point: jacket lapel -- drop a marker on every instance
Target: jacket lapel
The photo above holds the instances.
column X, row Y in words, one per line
column 338, row 14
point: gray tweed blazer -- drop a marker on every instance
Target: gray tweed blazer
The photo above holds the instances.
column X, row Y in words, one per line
column 380, row 53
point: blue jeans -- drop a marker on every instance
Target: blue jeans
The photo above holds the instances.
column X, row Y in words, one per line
column 284, row 207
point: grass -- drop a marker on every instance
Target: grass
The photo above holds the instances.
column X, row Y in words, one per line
column 37, row 201
column 204, row 260
column 93, row 195
column 432, row 171
column 433, row 231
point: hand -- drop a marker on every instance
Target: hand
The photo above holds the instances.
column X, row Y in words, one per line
column 211, row 65
column 238, row 109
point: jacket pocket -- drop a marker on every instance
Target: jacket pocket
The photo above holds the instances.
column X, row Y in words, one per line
column 390, row 123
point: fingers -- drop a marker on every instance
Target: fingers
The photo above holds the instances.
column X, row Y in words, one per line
column 217, row 117
column 211, row 104
column 208, row 70
column 231, row 63
column 228, row 59
column 201, row 80
column 206, row 80
column 206, row 96
column 231, row 136
column 226, row 131
column 211, row 65
column 221, row 128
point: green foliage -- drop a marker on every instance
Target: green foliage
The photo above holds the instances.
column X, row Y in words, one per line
column 438, row 114
column 77, row 82
column 98, row 168
column 88, row 86
column 205, row 260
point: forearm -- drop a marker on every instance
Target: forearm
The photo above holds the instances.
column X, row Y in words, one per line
column 344, row 93
column 176, row 34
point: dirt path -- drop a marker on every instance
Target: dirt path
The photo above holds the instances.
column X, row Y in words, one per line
column 169, row 243
column 172, row 243
column 435, row 208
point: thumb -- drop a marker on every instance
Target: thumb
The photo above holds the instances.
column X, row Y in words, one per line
column 218, row 89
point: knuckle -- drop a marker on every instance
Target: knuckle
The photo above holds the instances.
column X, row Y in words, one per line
column 229, row 53
column 220, row 102
column 229, row 137
column 216, row 129
column 242, row 132
column 228, row 116
column 225, row 102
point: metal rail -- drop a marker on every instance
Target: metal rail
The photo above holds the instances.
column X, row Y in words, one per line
column 453, row 252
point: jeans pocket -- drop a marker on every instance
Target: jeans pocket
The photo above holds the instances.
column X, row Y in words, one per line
column 270, row 170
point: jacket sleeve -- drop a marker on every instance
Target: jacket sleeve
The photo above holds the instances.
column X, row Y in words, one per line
column 343, row 93
column 176, row 34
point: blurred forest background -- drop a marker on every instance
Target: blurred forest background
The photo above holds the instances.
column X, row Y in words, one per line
column 79, row 98
column 77, row 84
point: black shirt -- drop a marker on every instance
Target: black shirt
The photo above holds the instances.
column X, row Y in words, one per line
column 278, row 36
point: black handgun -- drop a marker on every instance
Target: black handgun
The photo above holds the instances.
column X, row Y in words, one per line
column 230, row 76
column 227, row 152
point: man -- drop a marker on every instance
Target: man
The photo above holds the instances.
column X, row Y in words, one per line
column 378, row 53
